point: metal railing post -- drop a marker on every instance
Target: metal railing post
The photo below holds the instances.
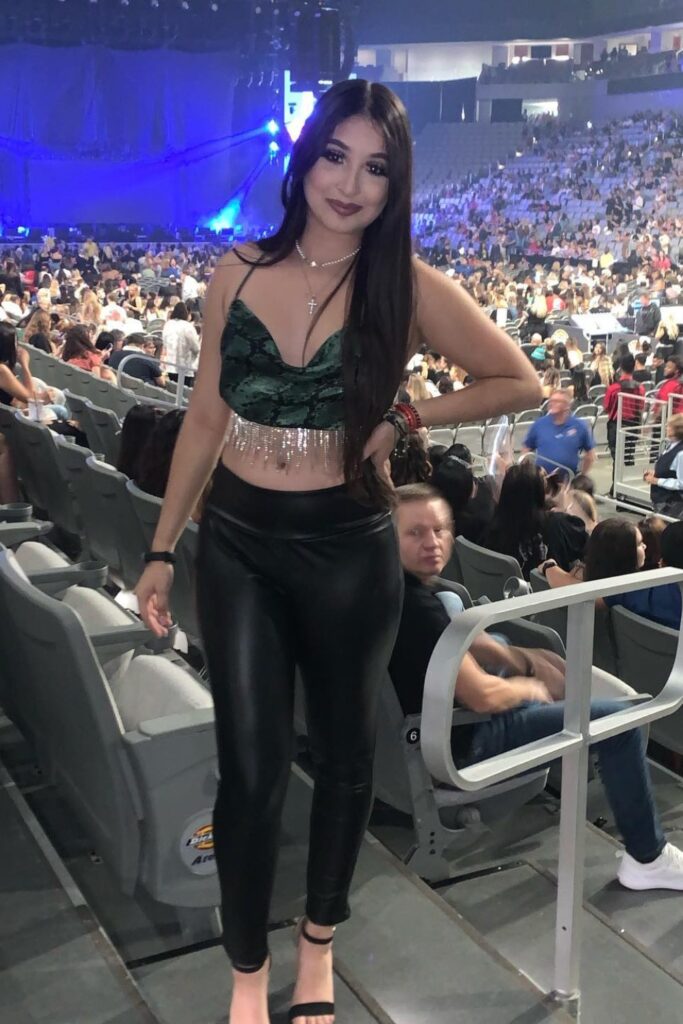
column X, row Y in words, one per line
column 570, row 871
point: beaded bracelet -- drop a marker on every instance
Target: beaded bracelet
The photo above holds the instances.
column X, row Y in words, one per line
column 404, row 417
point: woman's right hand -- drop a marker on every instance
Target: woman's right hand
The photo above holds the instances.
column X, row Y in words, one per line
column 153, row 591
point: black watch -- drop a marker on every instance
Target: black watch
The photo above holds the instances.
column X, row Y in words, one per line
column 160, row 556
column 549, row 563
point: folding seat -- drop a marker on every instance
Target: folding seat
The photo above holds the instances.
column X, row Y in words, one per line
column 40, row 473
column 441, row 435
column 113, row 530
column 102, row 428
column 134, row 755
column 485, row 573
column 183, row 604
column 645, row 654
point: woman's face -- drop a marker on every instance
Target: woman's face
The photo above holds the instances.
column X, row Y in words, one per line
column 347, row 187
column 640, row 550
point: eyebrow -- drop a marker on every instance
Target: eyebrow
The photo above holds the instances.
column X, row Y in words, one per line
column 342, row 145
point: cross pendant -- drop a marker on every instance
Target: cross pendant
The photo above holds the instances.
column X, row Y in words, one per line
column 312, row 305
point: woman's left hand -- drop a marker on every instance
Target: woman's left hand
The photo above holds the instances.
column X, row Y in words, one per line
column 380, row 445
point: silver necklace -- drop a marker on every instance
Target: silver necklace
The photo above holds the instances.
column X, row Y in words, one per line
column 312, row 301
column 328, row 263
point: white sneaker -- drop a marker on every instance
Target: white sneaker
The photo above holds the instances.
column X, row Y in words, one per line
column 664, row 873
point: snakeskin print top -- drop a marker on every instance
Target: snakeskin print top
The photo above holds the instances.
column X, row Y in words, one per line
column 259, row 386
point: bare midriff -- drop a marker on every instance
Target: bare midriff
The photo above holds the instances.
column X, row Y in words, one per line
column 263, row 456
column 304, row 478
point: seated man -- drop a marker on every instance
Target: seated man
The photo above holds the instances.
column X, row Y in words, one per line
column 519, row 689
column 146, row 368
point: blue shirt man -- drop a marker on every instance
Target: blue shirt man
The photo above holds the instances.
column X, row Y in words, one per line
column 560, row 439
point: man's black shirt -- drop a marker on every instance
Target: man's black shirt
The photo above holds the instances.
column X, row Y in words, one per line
column 423, row 620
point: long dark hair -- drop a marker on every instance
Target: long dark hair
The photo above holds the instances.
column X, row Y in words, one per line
column 154, row 464
column 8, row 345
column 612, row 550
column 380, row 309
column 135, row 432
column 521, row 514
column 76, row 342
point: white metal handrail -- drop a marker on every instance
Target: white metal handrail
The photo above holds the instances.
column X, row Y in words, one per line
column 571, row 744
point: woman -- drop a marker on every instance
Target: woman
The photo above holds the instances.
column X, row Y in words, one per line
column 18, row 394
column 551, row 382
column 180, row 343
column 667, row 331
column 91, row 308
column 574, row 354
column 666, row 476
column 524, row 528
column 472, row 500
column 39, row 323
column 417, row 388
column 651, row 530
column 134, row 303
column 306, row 338
column 79, row 351
column 601, row 366
column 615, row 548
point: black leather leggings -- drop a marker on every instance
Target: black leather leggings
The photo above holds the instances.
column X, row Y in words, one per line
column 284, row 579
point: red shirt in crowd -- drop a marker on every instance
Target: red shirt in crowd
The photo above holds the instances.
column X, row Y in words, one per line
column 631, row 409
column 672, row 386
column 86, row 361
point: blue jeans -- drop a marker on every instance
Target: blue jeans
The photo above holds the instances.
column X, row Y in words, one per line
column 624, row 772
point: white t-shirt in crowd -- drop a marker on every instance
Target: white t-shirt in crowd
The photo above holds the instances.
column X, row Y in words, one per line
column 190, row 289
column 180, row 345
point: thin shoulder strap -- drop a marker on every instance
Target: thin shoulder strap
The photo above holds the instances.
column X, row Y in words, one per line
column 246, row 277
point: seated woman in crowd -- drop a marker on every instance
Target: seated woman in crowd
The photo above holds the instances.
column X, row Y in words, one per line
column 651, row 530
column 91, row 309
column 417, row 388
column 79, row 351
column 154, row 463
column 614, row 548
column 135, row 432
column 471, row 499
column 551, row 381
column 523, row 527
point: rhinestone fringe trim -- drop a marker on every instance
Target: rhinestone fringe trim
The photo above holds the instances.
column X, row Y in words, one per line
column 287, row 447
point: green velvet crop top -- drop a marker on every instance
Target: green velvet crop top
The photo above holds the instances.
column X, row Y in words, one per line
column 259, row 386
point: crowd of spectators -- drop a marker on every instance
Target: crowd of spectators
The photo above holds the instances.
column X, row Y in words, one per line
column 618, row 63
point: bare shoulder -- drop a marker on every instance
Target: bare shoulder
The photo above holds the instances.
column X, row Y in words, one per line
column 229, row 272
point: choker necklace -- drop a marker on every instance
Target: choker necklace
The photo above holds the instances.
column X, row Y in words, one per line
column 329, row 263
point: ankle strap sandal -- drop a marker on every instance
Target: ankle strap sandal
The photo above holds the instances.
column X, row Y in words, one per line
column 310, row 1009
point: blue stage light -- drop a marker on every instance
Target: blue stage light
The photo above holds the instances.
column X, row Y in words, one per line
column 272, row 127
column 273, row 148
column 226, row 218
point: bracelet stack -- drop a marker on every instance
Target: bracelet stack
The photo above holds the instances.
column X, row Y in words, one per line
column 405, row 418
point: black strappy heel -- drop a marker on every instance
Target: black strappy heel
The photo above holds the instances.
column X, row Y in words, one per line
column 311, row 1009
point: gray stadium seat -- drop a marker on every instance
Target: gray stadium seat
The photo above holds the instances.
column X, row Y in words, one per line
column 604, row 648
column 645, row 655
column 183, row 605
column 35, row 454
column 102, row 428
column 472, row 435
column 114, row 532
column 520, row 427
column 134, row 757
column 485, row 572
column 441, row 435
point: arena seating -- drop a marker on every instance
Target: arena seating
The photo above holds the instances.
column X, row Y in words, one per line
column 134, row 754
